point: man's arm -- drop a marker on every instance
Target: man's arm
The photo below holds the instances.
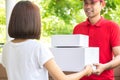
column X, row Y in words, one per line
column 110, row 65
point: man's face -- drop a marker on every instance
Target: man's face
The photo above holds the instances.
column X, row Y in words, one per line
column 92, row 9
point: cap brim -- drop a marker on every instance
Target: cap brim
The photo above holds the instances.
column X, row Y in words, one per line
column 103, row 1
column 92, row 0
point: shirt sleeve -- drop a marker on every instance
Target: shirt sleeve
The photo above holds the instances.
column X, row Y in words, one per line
column 115, row 35
column 44, row 55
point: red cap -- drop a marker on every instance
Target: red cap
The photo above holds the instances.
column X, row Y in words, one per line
column 97, row 0
column 103, row 1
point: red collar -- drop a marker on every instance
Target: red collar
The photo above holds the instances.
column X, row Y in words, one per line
column 98, row 24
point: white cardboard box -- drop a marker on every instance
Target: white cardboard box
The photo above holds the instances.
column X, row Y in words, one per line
column 69, row 40
column 75, row 59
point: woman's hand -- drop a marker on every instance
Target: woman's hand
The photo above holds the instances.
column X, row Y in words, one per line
column 89, row 70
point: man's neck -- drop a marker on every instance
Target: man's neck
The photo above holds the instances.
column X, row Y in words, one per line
column 94, row 20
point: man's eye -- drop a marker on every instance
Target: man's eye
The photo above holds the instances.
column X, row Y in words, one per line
column 92, row 3
column 86, row 4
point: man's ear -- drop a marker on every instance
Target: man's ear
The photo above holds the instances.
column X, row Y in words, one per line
column 103, row 4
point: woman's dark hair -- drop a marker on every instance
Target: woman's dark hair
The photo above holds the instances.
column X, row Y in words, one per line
column 25, row 21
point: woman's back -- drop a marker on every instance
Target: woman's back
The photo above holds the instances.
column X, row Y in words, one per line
column 25, row 60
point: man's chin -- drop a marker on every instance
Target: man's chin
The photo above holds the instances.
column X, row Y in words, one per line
column 90, row 16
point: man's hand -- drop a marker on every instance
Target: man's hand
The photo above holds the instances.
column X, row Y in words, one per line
column 99, row 68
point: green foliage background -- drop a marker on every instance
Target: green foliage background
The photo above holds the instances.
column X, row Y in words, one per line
column 2, row 22
column 60, row 16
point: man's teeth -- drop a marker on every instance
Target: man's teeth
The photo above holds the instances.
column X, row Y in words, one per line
column 89, row 11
